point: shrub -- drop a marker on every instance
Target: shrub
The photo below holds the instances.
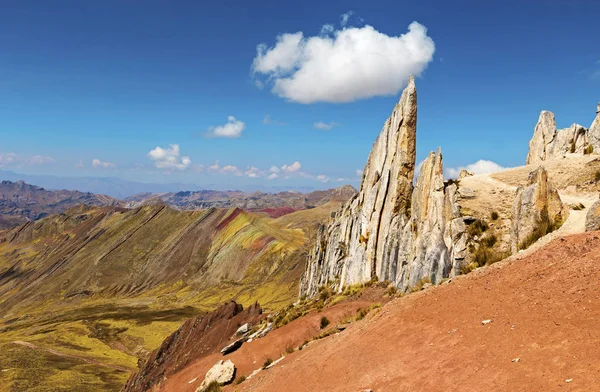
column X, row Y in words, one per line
column 588, row 149
column 494, row 215
column 267, row 362
column 213, row 387
column 477, row 228
column 391, row 291
column 486, row 256
column 362, row 312
column 239, row 380
column 289, row 350
column 489, row 240
column 324, row 322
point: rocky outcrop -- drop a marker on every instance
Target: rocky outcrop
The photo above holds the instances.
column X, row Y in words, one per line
column 592, row 219
column 392, row 230
column 549, row 143
column 537, row 210
column 195, row 339
column 464, row 173
column 594, row 132
column 222, row 373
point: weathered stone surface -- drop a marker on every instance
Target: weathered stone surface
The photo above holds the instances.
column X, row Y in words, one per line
column 594, row 132
column 535, row 205
column 592, row 219
column 232, row 347
column 243, row 329
column 222, row 372
column 549, row 143
column 464, row 173
column 390, row 230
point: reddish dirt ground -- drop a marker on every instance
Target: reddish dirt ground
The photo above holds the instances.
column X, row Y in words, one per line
column 251, row 356
column 544, row 307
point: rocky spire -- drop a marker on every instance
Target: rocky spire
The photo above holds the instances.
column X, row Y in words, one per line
column 543, row 134
column 388, row 231
column 594, row 132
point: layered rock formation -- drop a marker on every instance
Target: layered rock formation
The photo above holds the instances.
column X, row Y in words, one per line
column 537, row 210
column 549, row 143
column 196, row 338
column 390, row 230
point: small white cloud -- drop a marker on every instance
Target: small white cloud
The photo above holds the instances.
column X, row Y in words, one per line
column 274, row 169
column 345, row 17
column 327, row 29
column 254, row 172
column 40, row 160
column 8, row 159
column 272, row 176
column 325, row 126
column 340, row 179
column 169, row 158
column 323, row 178
column 346, row 65
column 293, row 168
column 270, row 121
column 232, row 129
column 97, row 163
column 359, row 173
column 482, row 166
column 230, row 169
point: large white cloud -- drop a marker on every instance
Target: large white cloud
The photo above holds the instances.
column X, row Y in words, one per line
column 169, row 158
column 345, row 65
column 480, row 167
column 232, row 129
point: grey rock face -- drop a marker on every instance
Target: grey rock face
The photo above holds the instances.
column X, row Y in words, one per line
column 390, row 230
column 536, row 207
column 592, row 219
column 549, row 143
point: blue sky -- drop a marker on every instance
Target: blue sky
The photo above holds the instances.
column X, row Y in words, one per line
column 113, row 80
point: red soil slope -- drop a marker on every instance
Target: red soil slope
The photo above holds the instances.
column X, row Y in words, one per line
column 545, row 310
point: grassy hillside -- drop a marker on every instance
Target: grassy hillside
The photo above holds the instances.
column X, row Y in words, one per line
column 85, row 294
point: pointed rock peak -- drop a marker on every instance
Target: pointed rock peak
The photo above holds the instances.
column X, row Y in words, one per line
column 538, row 176
column 598, row 109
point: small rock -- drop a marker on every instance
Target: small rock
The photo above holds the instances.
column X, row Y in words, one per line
column 568, row 380
column 232, row 347
column 486, row 322
column 426, row 286
column 341, row 327
column 222, row 372
column 243, row 329
column 466, row 193
column 516, row 360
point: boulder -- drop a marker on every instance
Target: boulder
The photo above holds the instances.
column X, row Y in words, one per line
column 466, row 193
column 537, row 210
column 243, row 329
column 222, row 372
column 592, row 219
column 232, row 347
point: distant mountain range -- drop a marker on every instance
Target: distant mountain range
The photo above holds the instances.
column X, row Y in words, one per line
column 21, row 202
column 122, row 189
column 272, row 203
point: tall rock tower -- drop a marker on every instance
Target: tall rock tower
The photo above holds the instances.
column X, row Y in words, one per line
column 390, row 230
